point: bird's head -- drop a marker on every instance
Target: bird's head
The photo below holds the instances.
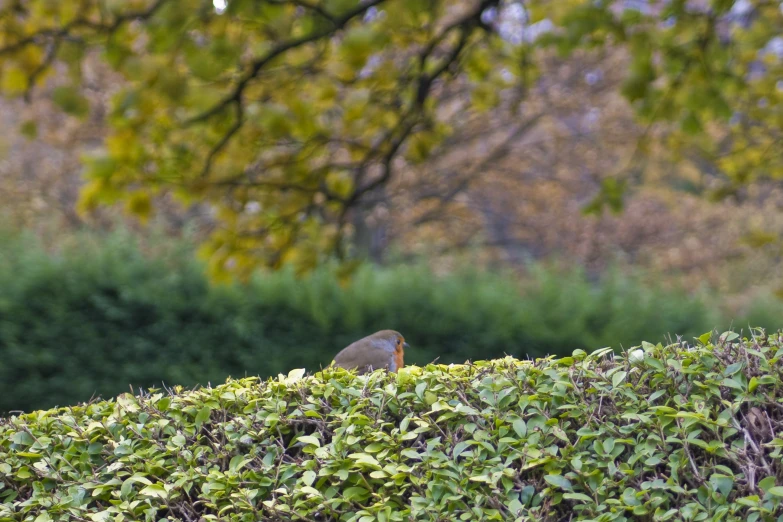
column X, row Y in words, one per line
column 390, row 340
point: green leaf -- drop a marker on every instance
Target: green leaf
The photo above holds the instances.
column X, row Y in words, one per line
column 238, row 462
column 309, row 440
column 577, row 496
column 296, row 374
column 459, row 448
column 127, row 484
column 22, row 438
column 656, row 395
column 481, row 478
column 691, row 124
column 558, row 481
column 776, row 491
column 520, row 427
column 731, row 383
column 29, row 455
column 202, row 416
column 618, row 378
column 154, row 490
column 356, row 494
column 363, row 458
column 375, row 447
column 515, row 506
column 729, row 336
column 29, row 129
column 71, row 101
column 722, row 483
column 766, row 483
column 308, row 477
column 14, row 81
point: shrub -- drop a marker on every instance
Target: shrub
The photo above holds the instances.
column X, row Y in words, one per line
column 666, row 433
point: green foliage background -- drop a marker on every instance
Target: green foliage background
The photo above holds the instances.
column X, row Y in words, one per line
column 104, row 313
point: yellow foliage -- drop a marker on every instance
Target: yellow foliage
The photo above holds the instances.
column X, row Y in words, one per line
column 139, row 204
column 340, row 184
column 257, row 103
column 124, row 147
column 485, row 96
column 14, row 81
column 89, row 197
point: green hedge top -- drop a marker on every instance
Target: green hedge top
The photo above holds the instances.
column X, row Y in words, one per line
column 661, row 433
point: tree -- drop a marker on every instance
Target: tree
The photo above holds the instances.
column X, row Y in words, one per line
column 291, row 117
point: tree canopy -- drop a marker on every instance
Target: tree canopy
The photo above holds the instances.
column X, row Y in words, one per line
column 289, row 117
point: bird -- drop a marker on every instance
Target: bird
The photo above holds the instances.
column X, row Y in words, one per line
column 384, row 349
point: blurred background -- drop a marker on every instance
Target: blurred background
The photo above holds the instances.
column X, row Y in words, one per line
column 540, row 178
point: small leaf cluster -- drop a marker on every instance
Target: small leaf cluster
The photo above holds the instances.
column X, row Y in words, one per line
column 672, row 432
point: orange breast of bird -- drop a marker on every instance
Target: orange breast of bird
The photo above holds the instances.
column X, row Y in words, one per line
column 398, row 353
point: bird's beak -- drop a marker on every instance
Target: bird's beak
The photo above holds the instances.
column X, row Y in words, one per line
column 406, row 345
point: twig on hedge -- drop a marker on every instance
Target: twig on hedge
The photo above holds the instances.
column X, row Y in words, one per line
column 48, row 457
column 695, row 469
column 749, row 440
column 686, row 447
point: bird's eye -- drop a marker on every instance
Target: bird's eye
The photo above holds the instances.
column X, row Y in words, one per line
column 399, row 341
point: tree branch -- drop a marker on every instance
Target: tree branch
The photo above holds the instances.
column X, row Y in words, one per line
column 66, row 30
column 235, row 97
column 220, row 145
column 496, row 154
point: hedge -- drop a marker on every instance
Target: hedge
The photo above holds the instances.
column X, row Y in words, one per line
column 105, row 313
column 660, row 433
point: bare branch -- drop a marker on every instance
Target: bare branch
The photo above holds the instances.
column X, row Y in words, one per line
column 499, row 152
column 306, row 5
column 220, row 145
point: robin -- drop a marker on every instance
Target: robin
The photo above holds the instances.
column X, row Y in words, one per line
column 382, row 349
